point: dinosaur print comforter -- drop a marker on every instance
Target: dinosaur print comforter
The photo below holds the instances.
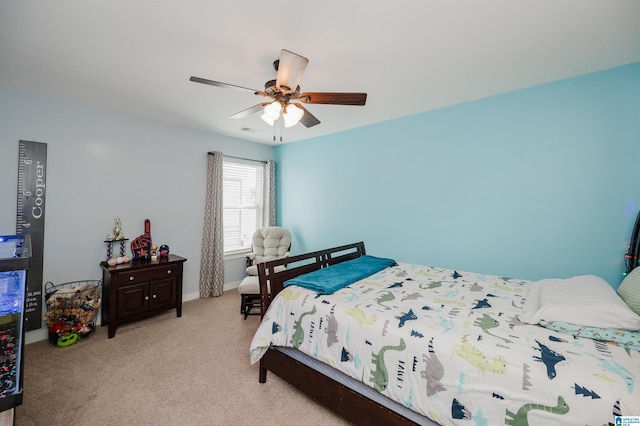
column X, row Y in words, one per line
column 449, row 346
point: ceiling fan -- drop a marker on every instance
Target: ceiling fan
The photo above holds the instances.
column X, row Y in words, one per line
column 285, row 89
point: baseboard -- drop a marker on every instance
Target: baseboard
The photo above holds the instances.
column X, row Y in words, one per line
column 231, row 285
column 36, row 335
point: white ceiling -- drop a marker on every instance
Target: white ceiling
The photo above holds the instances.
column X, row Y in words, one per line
column 136, row 56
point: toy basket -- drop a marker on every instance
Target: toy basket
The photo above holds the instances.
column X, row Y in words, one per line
column 71, row 310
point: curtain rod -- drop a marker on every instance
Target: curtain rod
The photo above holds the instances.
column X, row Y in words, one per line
column 240, row 158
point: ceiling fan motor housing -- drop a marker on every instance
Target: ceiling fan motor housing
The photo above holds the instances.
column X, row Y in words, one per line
column 272, row 89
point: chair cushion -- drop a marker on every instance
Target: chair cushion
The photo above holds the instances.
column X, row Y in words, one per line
column 269, row 243
column 249, row 285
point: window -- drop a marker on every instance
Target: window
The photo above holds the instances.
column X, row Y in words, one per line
column 242, row 193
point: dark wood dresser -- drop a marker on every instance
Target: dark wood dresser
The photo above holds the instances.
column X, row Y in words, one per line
column 139, row 289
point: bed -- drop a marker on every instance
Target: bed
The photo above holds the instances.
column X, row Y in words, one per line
column 414, row 344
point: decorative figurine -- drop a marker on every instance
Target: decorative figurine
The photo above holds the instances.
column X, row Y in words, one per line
column 164, row 251
column 154, row 253
column 117, row 228
column 116, row 235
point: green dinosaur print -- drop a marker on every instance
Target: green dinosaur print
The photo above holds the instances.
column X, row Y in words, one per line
column 506, row 288
column 486, row 323
column 478, row 359
column 520, row 417
column 358, row 314
column 444, row 301
column 380, row 375
column 430, row 286
column 386, row 296
column 298, row 334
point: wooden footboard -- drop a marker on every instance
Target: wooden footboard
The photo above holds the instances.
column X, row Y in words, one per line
column 332, row 394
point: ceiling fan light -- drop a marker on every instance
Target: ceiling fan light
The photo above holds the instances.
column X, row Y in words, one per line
column 292, row 115
column 273, row 110
column 267, row 119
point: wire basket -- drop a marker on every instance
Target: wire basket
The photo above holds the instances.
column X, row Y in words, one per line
column 71, row 310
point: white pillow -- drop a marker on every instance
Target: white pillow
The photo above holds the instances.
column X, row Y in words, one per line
column 585, row 300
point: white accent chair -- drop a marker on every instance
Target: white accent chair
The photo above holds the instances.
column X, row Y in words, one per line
column 268, row 243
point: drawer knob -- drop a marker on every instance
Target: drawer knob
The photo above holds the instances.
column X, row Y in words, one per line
column 146, row 298
column 130, row 278
column 168, row 271
column 155, row 296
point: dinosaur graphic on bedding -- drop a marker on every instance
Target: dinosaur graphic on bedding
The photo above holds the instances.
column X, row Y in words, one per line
column 380, row 375
column 519, row 418
column 449, row 345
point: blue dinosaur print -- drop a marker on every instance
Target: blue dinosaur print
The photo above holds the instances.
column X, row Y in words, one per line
column 406, row 317
column 484, row 303
column 619, row 370
column 550, row 358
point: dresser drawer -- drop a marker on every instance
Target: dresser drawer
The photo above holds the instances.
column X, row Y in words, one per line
column 150, row 274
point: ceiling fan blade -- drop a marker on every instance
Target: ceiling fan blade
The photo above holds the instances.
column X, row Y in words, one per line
column 333, row 98
column 219, row 84
column 252, row 110
column 308, row 119
column 291, row 66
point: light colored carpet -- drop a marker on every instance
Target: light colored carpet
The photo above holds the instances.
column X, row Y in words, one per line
column 165, row 370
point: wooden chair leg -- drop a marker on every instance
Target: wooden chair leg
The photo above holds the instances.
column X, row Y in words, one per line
column 244, row 308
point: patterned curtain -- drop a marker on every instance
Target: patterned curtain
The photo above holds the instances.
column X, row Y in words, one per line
column 212, row 260
column 269, row 182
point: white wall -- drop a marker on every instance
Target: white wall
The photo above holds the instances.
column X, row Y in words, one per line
column 102, row 164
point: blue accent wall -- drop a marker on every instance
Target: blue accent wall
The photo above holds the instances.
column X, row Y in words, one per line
column 540, row 182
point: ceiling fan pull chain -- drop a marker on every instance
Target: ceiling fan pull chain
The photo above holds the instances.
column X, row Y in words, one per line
column 281, row 129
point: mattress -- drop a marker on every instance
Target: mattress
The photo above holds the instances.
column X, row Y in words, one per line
column 449, row 346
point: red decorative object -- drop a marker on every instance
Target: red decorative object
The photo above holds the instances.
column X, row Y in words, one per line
column 141, row 246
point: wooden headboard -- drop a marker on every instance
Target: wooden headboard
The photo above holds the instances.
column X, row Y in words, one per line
column 272, row 282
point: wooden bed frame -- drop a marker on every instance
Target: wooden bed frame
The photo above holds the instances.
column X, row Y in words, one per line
column 342, row 400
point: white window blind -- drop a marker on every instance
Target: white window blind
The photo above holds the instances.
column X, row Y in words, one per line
column 242, row 203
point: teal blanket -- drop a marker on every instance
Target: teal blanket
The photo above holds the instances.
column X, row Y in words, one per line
column 330, row 279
